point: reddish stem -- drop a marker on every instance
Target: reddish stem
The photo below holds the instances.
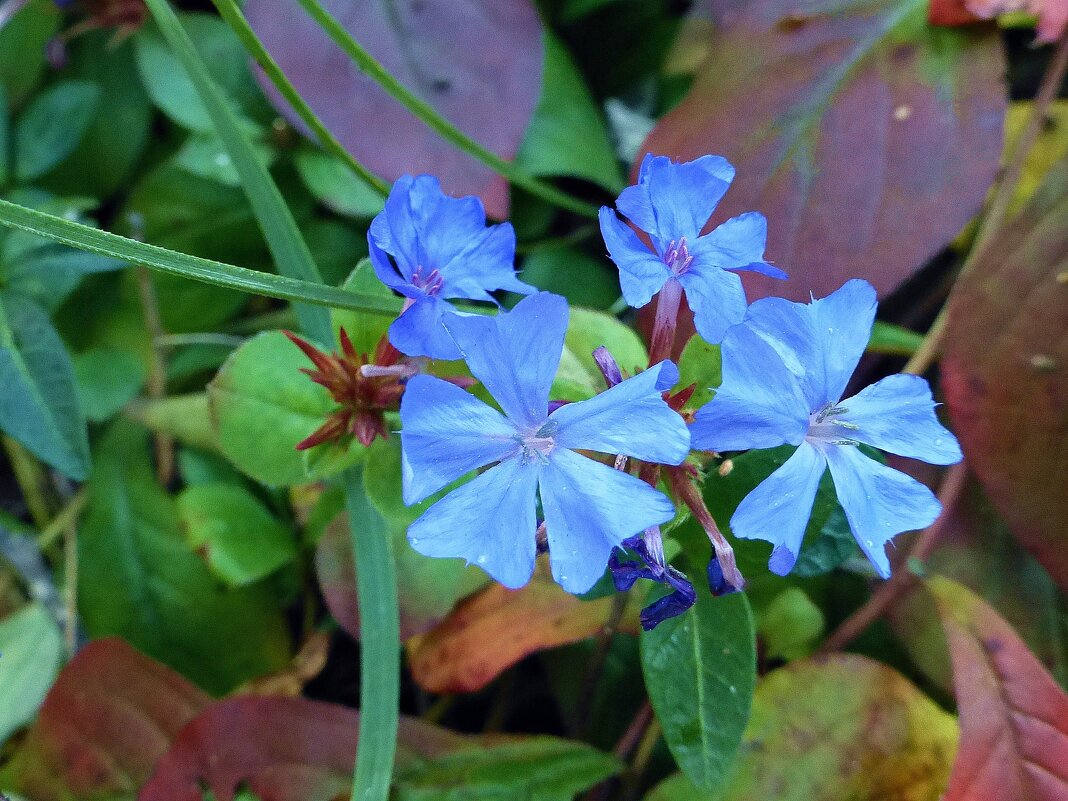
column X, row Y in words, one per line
column 667, row 314
column 687, row 492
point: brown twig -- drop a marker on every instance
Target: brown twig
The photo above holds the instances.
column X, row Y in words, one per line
column 598, row 659
column 902, row 579
column 686, row 491
column 1000, row 199
column 157, row 373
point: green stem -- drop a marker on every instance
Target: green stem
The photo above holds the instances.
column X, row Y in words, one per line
column 433, row 120
column 280, row 230
column 376, row 589
column 230, row 12
column 93, row 240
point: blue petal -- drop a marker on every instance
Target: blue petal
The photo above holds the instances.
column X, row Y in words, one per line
column 758, row 404
column 486, row 263
column 716, row 298
column 779, row 508
column 387, row 272
column 589, row 510
column 821, row 341
column 488, row 521
column 641, row 272
column 629, row 418
column 421, row 331
column 879, row 501
column 515, row 355
column 395, row 230
column 737, row 244
column 897, row 415
column 447, row 432
column 672, row 200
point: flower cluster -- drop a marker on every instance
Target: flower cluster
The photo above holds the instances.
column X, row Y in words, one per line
column 785, row 368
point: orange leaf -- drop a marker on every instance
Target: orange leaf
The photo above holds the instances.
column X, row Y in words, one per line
column 1013, row 715
column 495, row 628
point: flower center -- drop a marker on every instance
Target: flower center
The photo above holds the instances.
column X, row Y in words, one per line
column 430, row 282
column 539, row 444
column 677, row 256
column 825, row 428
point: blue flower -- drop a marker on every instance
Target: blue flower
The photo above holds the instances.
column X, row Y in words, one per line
column 654, row 567
column 441, row 249
column 672, row 203
column 784, row 371
column 589, row 508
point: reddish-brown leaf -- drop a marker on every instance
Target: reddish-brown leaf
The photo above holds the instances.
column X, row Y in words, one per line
column 478, row 63
column 491, row 631
column 866, row 137
column 1005, row 372
column 1052, row 14
column 110, row 716
column 282, row 749
column 1013, row 715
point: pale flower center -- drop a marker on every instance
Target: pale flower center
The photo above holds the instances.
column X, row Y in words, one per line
column 825, row 426
column 539, row 444
column 677, row 257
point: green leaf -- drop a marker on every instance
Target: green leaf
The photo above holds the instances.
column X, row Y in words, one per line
column 107, row 378
column 5, row 137
column 533, row 769
column 569, row 271
column 119, row 132
column 140, row 580
column 23, row 41
column 841, row 728
column 104, row 243
column 39, row 403
column 365, row 330
column 893, row 339
column 567, row 134
column 52, row 126
column 243, row 541
column 336, row 186
column 31, row 653
column 699, row 364
column 263, row 406
column 169, row 85
column 700, row 670
column 791, row 625
column 588, row 329
column 186, row 418
column 203, row 154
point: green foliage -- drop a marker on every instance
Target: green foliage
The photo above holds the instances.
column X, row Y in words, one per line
column 140, row 580
column 700, row 669
column 52, row 126
column 107, row 378
column 23, row 39
column 32, row 652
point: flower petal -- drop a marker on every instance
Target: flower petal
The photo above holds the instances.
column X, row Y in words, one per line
column 447, row 432
column 641, row 272
column 515, row 354
column 630, row 418
column 821, row 341
column 758, row 404
column 589, row 510
column 897, row 415
column 673, row 200
column 716, row 298
column 737, row 244
column 421, row 331
column 779, row 508
column 395, row 229
column 879, row 501
column 486, row 263
column 488, row 521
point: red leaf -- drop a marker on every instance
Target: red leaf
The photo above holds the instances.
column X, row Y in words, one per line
column 479, row 63
column 282, row 749
column 1013, row 715
column 1052, row 14
column 1005, row 372
column 491, row 631
column 110, row 716
column 867, row 139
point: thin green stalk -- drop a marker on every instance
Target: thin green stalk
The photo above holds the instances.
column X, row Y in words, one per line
column 231, row 13
column 433, row 120
column 376, row 588
column 104, row 243
column 280, row 230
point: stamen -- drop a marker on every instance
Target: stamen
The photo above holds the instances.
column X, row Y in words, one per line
column 430, row 283
column 677, row 256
